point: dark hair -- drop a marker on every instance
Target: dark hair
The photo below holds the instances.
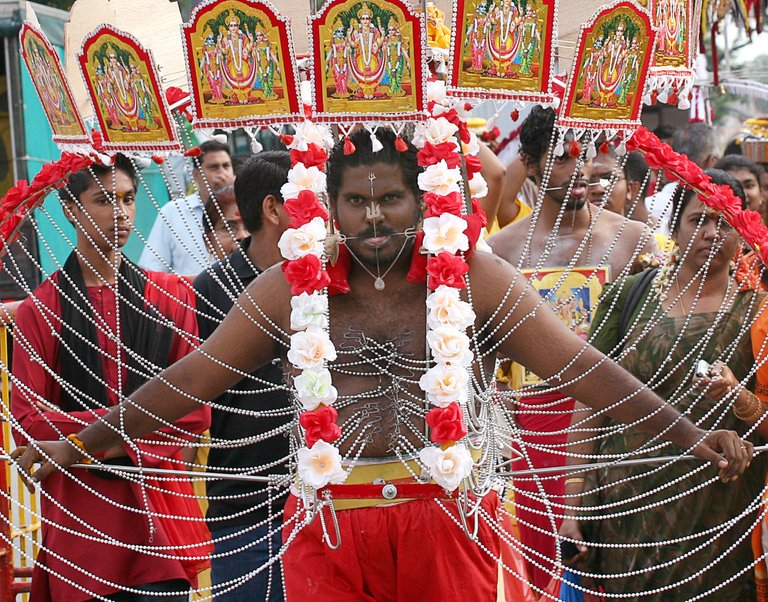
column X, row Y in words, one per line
column 636, row 170
column 665, row 131
column 213, row 206
column 364, row 155
column 536, row 133
column 210, row 146
column 736, row 162
column 733, row 147
column 683, row 195
column 257, row 178
column 696, row 140
column 82, row 180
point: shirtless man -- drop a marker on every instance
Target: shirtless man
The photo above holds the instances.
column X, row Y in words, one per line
column 412, row 549
column 602, row 244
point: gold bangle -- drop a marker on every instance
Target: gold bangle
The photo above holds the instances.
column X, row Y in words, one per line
column 753, row 410
column 81, row 446
column 574, row 480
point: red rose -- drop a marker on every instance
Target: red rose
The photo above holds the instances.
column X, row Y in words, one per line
column 320, row 424
column 722, row 199
column 662, row 157
column 314, row 156
column 50, row 173
column 446, row 424
column 8, row 231
column 305, row 275
column 304, row 209
column 749, row 224
column 438, row 204
column 473, row 165
column 16, row 195
column 448, row 270
column 432, row 154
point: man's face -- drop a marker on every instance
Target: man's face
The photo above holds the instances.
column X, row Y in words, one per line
column 764, row 188
column 105, row 212
column 372, row 238
column 566, row 171
column 751, row 187
column 215, row 170
column 603, row 168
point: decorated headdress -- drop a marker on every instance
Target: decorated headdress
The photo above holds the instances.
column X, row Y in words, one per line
column 364, row 10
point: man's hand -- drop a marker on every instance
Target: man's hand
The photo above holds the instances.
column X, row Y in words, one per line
column 61, row 454
column 571, row 529
column 726, row 450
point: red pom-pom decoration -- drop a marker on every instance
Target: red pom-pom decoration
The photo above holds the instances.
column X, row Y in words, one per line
column 349, row 147
column 574, row 149
column 515, row 115
column 401, row 145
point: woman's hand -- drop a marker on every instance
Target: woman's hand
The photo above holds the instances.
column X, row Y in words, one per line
column 60, row 456
column 718, row 383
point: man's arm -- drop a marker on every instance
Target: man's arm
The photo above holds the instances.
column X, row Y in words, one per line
column 531, row 334
column 243, row 342
column 157, row 255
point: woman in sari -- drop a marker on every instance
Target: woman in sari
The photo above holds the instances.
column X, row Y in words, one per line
column 680, row 532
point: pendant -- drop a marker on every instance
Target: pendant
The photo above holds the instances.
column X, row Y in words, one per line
column 378, row 284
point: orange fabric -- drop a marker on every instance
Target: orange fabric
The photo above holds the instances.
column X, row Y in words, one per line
column 759, row 338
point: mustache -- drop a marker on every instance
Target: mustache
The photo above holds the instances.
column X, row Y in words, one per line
column 370, row 233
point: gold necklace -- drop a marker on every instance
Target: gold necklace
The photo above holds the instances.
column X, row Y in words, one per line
column 680, row 296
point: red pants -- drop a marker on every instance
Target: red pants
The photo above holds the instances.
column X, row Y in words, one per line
column 405, row 552
column 558, row 417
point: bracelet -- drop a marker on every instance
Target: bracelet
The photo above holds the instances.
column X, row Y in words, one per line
column 81, row 446
column 753, row 410
column 574, row 480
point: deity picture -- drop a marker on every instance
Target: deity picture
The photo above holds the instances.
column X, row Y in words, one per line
column 613, row 56
column 503, row 45
column 364, row 60
column 671, row 18
column 239, row 62
column 573, row 295
column 123, row 89
column 52, row 88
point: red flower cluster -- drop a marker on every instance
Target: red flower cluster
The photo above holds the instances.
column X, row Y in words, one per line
column 446, row 424
column 305, row 275
column 719, row 197
column 314, row 156
column 304, row 209
column 446, row 269
column 438, row 204
column 432, row 154
column 320, row 424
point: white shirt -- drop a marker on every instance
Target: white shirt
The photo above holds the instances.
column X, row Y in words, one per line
column 176, row 242
column 660, row 207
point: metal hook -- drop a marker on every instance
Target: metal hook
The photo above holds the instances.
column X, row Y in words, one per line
column 327, row 500
column 463, row 516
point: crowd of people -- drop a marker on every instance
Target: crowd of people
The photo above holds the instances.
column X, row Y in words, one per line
column 638, row 267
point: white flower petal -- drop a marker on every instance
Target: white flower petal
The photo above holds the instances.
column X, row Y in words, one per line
column 307, row 239
column 447, row 309
column 313, row 387
column 309, row 310
column 320, row 465
column 448, row 467
column 445, row 233
column 445, row 384
column 478, row 187
column 450, row 346
column 311, row 348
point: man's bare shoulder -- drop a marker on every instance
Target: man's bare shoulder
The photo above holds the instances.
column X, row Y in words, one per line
column 507, row 242
column 490, row 278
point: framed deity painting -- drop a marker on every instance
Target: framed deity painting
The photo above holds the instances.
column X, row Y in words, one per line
column 122, row 82
column 51, row 86
column 368, row 61
column 240, row 64
column 503, row 49
column 607, row 82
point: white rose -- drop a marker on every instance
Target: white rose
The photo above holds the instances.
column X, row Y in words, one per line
column 304, row 240
column 309, row 310
column 435, row 131
column 445, row 384
column 321, row 465
column 448, row 467
column 309, row 132
column 473, row 146
column 440, row 179
column 305, row 88
column 301, row 178
column 437, row 92
column 445, row 233
column 313, row 386
column 447, row 309
column 450, row 346
column 478, row 187
column 311, row 348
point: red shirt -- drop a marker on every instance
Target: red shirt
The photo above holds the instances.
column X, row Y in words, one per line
column 89, row 521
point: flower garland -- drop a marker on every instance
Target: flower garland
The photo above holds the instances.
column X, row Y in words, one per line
column 676, row 166
column 447, row 235
column 302, row 247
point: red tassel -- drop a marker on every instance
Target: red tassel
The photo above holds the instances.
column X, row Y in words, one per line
column 98, row 140
column 604, row 148
column 158, row 159
column 574, row 149
column 467, row 106
column 193, row 152
column 286, row 139
column 401, row 144
column 188, row 115
column 654, row 96
column 349, row 148
column 515, row 115
column 672, row 98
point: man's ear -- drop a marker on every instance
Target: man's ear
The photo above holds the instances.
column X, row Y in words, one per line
column 66, row 207
column 269, row 208
column 531, row 167
column 632, row 189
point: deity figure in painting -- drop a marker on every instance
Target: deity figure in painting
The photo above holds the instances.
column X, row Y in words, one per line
column 397, row 58
column 590, row 68
column 612, row 66
column 671, row 21
column 336, row 61
column 366, row 60
column 476, row 37
column 210, row 67
column 504, row 37
column 267, row 63
column 531, row 41
column 122, row 93
column 238, row 61
column 52, row 92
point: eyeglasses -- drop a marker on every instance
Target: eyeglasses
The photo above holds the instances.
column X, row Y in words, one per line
column 604, row 182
